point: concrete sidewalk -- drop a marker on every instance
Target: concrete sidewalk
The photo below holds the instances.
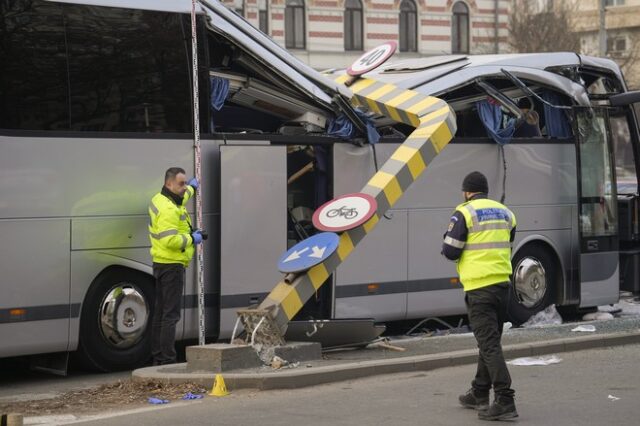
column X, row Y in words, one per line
column 423, row 353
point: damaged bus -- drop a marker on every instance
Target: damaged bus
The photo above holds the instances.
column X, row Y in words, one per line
column 95, row 100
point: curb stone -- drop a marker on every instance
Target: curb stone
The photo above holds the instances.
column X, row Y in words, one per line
column 302, row 377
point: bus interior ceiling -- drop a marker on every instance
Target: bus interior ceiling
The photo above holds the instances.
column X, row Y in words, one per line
column 258, row 101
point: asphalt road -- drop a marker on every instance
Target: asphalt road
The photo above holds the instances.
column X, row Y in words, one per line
column 18, row 382
column 574, row 392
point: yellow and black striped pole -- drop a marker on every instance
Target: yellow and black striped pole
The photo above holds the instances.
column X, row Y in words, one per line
column 435, row 125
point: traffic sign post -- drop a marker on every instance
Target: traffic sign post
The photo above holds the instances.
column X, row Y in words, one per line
column 345, row 212
column 308, row 253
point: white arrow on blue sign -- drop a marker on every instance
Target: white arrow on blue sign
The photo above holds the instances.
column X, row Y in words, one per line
column 309, row 252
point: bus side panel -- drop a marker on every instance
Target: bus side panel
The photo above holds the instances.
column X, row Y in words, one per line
column 253, row 225
column 602, row 272
column 430, row 273
column 380, row 259
column 537, row 174
column 34, row 306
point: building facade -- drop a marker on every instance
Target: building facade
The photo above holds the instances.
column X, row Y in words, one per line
column 333, row 33
column 622, row 25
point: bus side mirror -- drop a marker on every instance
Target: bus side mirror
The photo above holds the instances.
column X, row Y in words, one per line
column 624, row 99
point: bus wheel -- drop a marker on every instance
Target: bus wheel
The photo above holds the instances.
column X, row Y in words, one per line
column 115, row 322
column 535, row 274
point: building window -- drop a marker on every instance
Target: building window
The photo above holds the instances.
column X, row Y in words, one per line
column 263, row 16
column 608, row 3
column 460, row 28
column 353, row 25
column 408, row 26
column 294, row 25
column 616, row 44
column 239, row 7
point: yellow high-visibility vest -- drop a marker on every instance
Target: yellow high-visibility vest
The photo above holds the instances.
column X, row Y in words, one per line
column 170, row 230
column 486, row 255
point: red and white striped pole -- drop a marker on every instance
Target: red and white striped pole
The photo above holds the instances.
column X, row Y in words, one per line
column 197, row 160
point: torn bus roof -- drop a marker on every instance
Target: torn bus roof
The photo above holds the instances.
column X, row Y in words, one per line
column 438, row 75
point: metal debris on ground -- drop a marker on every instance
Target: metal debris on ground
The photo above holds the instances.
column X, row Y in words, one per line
column 613, row 398
column 278, row 363
column 384, row 344
column 450, row 329
column 586, row 328
column 542, row 360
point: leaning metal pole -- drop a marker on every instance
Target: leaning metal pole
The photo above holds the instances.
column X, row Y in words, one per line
column 198, row 170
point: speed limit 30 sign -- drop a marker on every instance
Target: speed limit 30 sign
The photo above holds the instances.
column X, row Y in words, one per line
column 372, row 59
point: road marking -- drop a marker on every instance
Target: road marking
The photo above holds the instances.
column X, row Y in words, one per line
column 72, row 419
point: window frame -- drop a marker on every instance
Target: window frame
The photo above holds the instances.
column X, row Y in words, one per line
column 351, row 27
column 408, row 13
column 291, row 10
column 263, row 18
column 457, row 17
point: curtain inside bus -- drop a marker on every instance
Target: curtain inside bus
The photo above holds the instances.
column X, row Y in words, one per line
column 556, row 120
column 492, row 119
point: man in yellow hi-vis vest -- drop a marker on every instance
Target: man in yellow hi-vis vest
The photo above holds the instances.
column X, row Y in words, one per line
column 479, row 239
column 173, row 242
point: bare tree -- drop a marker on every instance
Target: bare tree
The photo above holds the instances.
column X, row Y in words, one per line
column 542, row 26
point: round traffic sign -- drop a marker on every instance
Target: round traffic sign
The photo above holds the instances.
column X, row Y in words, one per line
column 345, row 212
column 308, row 253
column 372, row 59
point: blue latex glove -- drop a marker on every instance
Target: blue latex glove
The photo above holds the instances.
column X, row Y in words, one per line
column 197, row 238
column 190, row 395
column 153, row 400
column 193, row 182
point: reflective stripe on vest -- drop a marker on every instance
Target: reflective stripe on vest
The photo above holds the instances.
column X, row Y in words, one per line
column 486, row 258
column 170, row 230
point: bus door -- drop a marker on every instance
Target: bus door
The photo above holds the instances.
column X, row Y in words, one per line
column 597, row 208
column 253, row 225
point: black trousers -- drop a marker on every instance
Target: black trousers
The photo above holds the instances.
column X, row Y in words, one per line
column 170, row 280
column 487, row 309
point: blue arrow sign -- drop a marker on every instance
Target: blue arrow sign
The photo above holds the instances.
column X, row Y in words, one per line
column 308, row 253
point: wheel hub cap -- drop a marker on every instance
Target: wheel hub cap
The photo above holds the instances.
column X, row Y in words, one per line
column 530, row 282
column 123, row 316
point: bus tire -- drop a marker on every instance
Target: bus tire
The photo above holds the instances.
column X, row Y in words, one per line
column 535, row 280
column 115, row 323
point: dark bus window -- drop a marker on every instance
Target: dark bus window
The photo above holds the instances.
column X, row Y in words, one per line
column 623, row 149
column 128, row 70
column 33, row 73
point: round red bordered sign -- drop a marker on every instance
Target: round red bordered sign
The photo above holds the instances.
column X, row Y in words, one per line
column 372, row 59
column 345, row 212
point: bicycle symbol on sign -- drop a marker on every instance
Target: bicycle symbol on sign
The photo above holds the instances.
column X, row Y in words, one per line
column 343, row 211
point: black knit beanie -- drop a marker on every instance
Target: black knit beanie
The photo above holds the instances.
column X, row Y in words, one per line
column 475, row 182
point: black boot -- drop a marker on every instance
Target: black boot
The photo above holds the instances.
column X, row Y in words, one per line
column 501, row 409
column 475, row 400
